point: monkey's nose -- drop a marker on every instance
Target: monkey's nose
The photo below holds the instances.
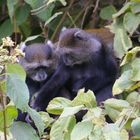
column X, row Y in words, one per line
column 42, row 76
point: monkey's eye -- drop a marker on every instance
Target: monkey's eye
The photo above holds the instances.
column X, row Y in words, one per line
column 40, row 67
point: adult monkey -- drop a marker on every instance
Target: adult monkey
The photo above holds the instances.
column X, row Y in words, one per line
column 85, row 61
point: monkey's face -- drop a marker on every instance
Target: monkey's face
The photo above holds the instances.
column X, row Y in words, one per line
column 78, row 46
column 38, row 62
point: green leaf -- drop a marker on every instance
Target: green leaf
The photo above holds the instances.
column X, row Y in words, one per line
column 87, row 99
column 25, row 28
column 24, row 131
column 131, row 22
column 3, row 86
column 81, row 130
column 11, row 5
column 117, row 24
column 46, row 13
column 124, row 135
column 69, row 111
column 136, row 69
column 133, row 97
column 112, row 132
column 62, row 128
column 33, row 3
column 10, row 114
column 107, row 12
column 130, row 55
column 123, row 83
column 57, row 105
column 117, row 103
column 53, row 17
column 41, row 9
column 125, row 118
column 63, row 2
column 31, row 38
column 122, row 42
column 9, row 136
column 46, row 118
column 22, row 14
column 16, row 69
column 136, row 126
column 135, row 138
column 135, row 0
column 97, row 133
column 96, row 115
column 112, row 113
column 135, row 6
column 36, row 117
column 6, row 29
column 123, row 10
column 17, row 91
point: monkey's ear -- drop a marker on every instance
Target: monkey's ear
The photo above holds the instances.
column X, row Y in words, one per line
column 49, row 43
column 79, row 35
column 23, row 47
column 63, row 29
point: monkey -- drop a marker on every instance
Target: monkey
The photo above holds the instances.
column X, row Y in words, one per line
column 39, row 63
column 85, row 62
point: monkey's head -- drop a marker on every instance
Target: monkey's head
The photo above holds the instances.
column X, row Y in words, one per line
column 39, row 61
column 78, row 46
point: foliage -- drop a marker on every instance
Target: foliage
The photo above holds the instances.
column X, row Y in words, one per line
column 47, row 17
column 13, row 85
column 14, row 94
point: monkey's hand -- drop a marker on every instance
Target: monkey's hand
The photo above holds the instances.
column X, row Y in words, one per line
column 51, row 88
column 38, row 102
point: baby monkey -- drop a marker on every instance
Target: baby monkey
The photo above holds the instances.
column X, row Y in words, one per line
column 39, row 63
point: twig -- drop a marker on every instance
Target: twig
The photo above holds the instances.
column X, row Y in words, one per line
column 96, row 6
column 38, row 10
column 80, row 13
column 84, row 16
column 3, row 101
column 15, row 29
column 71, row 19
column 62, row 20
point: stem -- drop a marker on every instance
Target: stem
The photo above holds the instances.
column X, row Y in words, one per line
column 80, row 13
column 96, row 6
column 71, row 19
column 84, row 16
column 78, row 16
column 15, row 29
column 3, row 101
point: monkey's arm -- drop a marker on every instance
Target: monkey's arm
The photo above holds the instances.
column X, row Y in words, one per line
column 51, row 87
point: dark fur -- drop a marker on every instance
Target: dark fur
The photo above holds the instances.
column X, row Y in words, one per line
column 40, row 62
column 85, row 62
